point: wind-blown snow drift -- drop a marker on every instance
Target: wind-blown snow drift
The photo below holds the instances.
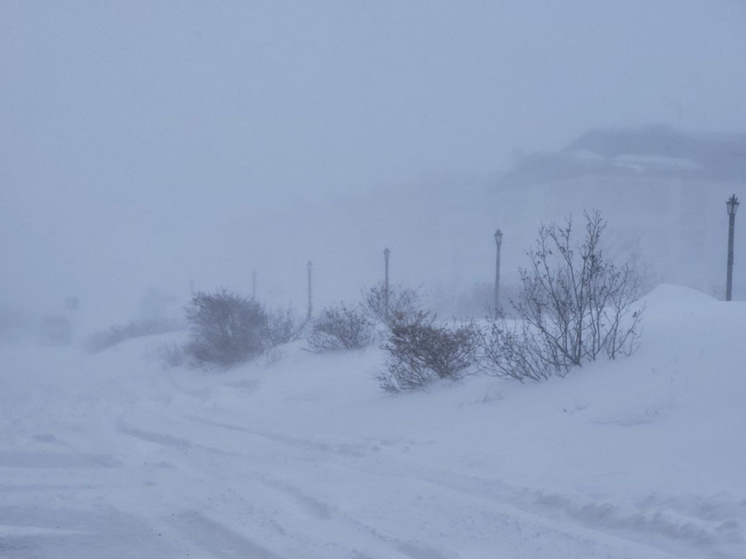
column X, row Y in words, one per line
column 302, row 455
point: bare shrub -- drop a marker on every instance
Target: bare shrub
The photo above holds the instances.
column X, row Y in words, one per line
column 283, row 326
column 575, row 305
column 226, row 329
column 421, row 351
column 340, row 328
column 404, row 304
column 510, row 349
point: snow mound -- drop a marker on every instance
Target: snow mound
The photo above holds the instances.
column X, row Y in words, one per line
column 667, row 297
column 298, row 455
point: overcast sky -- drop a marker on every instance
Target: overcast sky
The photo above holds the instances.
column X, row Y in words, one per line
column 151, row 142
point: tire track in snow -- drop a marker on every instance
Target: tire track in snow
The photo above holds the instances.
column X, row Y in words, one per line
column 648, row 526
column 223, row 541
column 217, row 539
column 654, row 528
column 324, row 455
column 38, row 531
column 56, row 460
column 170, row 441
column 345, row 449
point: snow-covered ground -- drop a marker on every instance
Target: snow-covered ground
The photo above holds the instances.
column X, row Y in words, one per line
column 299, row 455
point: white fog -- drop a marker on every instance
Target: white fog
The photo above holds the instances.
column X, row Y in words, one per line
column 151, row 150
column 149, row 146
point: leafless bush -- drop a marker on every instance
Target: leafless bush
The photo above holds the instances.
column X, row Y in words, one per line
column 574, row 305
column 510, row 349
column 404, row 304
column 420, row 351
column 226, row 329
column 283, row 326
column 340, row 328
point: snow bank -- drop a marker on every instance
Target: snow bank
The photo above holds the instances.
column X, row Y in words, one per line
column 302, row 455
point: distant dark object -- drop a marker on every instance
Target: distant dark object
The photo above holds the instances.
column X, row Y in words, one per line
column 420, row 352
column 651, row 151
column 136, row 329
column 392, row 303
column 386, row 286
column 732, row 206
column 226, row 329
column 154, row 305
column 56, row 330
column 283, row 326
column 498, row 245
column 72, row 303
column 340, row 328
column 309, row 312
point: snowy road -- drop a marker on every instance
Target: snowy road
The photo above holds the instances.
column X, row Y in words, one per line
column 303, row 457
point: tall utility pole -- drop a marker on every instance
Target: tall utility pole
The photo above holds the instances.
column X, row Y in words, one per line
column 386, row 254
column 498, row 243
column 732, row 206
column 310, row 304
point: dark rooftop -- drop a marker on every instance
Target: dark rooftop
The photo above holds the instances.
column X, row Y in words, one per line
column 650, row 151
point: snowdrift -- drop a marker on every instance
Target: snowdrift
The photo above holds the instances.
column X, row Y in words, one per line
column 303, row 456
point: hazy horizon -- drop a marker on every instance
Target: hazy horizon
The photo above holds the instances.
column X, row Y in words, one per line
column 148, row 146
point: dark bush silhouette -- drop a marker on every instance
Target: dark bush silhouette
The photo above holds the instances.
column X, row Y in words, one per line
column 421, row 351
column 512, row 349
column 283, row 326
column 340, row 328
column 404, row 304
column 226, row 329
column 575, row 304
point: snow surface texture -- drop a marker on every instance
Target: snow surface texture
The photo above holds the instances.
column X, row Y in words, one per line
column 303, row 456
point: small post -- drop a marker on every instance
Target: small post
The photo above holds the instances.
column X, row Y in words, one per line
column 732, row 206
column 253, row 285
column 310, row 303
column 386, row 255
column 498, row 243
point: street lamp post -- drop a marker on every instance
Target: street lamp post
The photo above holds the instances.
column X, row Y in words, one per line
column 498, row 243
column 253, row 285
column 310, row 305
column 386, row 255
column 732, row 205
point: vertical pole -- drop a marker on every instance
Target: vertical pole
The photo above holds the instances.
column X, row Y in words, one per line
column 731, row 231
column 386, row 254
column 253, row 285
column 310, row 303
column 498, row 244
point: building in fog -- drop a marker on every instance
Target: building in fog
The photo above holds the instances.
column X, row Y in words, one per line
column 663, row 192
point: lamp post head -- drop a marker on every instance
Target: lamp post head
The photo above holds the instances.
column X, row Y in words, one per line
column 386, row 253
column 498, row 237
column 732, row 205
